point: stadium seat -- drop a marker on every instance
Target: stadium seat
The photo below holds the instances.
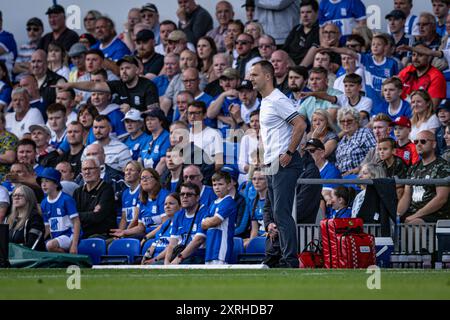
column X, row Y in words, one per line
column 238, row 248
column 122, row 251
column 94, row 248
column 257, row 245
column 255, row 252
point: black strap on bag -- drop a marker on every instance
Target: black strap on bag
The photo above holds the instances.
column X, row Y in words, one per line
column 192, row 224
column 178, row 249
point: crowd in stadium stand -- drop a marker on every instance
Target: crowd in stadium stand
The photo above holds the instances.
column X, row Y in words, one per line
column 152, row 131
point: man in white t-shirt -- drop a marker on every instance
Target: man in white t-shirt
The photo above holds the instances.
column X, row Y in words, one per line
column 19, row 121
column 282, row 129
column 204, row 137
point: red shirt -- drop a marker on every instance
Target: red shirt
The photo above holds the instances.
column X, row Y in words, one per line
column 408, row 153
column 432, row 81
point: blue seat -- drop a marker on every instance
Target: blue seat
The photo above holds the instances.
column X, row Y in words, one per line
column 257, row 245
column 238, row 248
column 94, row 248
column 126, row 247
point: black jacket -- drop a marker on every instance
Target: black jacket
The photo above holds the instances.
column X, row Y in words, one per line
column 31, row 234
column 308, row 195
column 100, row 222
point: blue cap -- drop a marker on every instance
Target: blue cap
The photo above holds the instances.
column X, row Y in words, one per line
column 231, row 170
column 51, row 174
column 444, row 106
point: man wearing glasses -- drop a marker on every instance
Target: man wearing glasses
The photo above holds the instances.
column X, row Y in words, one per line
column 95, row 201
column 35, row 29
column 247, row 55
column 428, row 203
column 186, row 227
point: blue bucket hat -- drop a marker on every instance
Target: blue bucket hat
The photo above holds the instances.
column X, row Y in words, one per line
column 51, row 174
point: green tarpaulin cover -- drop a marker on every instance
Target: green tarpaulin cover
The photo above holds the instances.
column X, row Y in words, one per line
column 23, row 257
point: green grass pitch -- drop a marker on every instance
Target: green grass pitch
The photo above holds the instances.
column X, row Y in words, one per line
column 271, row 284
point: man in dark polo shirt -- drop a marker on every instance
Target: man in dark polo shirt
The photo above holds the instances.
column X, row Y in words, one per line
column 60, row 33
column 304, row 35
column 145, row 46
column 133, row 91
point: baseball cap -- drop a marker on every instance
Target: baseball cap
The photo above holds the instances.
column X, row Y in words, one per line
column 231, row 170
column 444, row 106
column 396, row 14
column 55, row 9
column 315, row 143
column 402, row 121
column 245, row 85
column 35, row 22
column 50, row 174
column 134, row 115
column 129, row 59
column 77, row 49
column 177, row 35
column 89, row 37
column 248, row 3
column 230, row 73
column 41, row 127
column 145, row 35
column 149, row 7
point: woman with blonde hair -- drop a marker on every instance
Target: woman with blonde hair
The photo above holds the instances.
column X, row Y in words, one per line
column 26, row 225
column 423, row 117
column 256, row 29
column 322, row 128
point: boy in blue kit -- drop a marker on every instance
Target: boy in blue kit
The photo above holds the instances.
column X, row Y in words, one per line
column 393, row 105
column 60, row 214
column 219, row 224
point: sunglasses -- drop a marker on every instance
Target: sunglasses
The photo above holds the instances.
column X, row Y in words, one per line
column 311, row 151
column 422, row 141
column 187, row 194
column 36, row 29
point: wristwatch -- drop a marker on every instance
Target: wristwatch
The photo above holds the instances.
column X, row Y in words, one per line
column 289, row 153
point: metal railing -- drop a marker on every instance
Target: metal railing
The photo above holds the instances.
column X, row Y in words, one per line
column 412, row 238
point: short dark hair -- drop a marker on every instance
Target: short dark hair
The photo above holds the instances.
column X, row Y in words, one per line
column 254, row 113
column 266, row 66
column 26, row 142
column 97, row 52
column 300, row 70
column 346, row 193
column 389, row 140
column 357, row 38
column 238, row 23
column 56, row 107
column 320, row 70
column 312, row 3
column 168, row 22
column 198, row 104
column 102, row 117
column 353, row 78
column 191, row 186
column 219, row 175
column 101, row 72
column 71, row 93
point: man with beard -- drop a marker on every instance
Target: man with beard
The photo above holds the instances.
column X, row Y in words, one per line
column 133, row 91
column 145, row 46
column 297, row 80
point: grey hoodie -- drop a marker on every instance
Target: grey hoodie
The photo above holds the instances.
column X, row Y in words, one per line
column 278, row 17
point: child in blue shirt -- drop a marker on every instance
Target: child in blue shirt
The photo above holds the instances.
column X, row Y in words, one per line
column 60, row 214
column 340, row 203
column 219, row 223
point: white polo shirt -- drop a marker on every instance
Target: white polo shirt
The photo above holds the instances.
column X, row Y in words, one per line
column 277, row 111
column 210, row 140
column 19, row 128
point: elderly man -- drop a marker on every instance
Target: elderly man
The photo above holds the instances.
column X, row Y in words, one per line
column 44, row 76
column 95, row 201
column 224, row 15
column 60, row 33
column 281, row 63
column 429, row 203
column 117, row 154
column 19, row 121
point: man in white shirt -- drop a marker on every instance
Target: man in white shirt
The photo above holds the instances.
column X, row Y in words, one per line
column 282, row 129
column 204, row 137
column 19, row 121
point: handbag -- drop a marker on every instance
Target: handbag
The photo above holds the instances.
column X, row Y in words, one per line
column 178, row 249
column 311, row 256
